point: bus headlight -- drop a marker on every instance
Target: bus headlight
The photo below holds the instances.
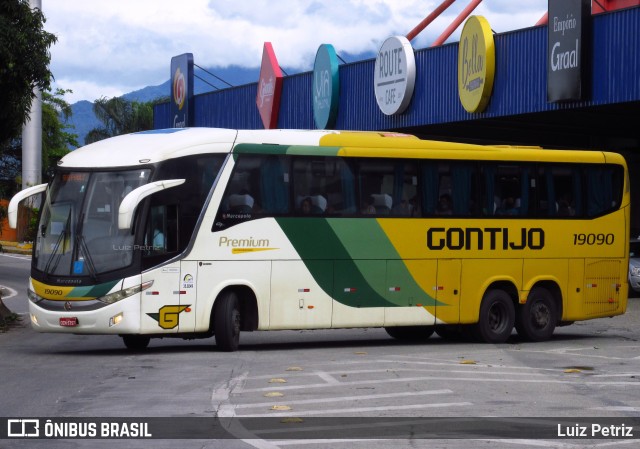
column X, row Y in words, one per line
column 33, row 297
column 120, row 295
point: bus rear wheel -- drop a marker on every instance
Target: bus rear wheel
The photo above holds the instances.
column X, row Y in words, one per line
column 136, row 342
column 410, row 333
column 497, row 317
column 536, row 319
column 226, row 322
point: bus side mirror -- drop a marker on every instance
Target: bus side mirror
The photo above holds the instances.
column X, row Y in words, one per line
column 12, row 211
column 135, row 197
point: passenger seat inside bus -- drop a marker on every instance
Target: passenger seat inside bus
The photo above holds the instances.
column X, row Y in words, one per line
column 382, row 203
column 241, row 203
column 318, row 204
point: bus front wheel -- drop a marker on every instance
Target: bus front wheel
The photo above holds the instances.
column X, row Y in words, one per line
column 226, row 322
column 497, row 317
column 536, row 319
column 136, row 342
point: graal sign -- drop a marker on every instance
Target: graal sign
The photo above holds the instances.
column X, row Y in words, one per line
column 568, row 34
column 395, row 75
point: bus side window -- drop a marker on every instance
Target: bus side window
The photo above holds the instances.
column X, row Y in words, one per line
column 162, row 230
column 323, row 185
column 387, row 187
column 259, row 187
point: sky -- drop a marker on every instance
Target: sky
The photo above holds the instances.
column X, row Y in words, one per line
column 107, row 48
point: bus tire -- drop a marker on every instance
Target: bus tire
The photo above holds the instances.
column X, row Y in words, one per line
column 226, row 322
column 497, row 317
column 536, row 319
column 136, row 342
column 410, row 333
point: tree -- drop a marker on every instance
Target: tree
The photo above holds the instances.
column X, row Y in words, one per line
column 56, row 140
column 120, row 116
column 24, row 63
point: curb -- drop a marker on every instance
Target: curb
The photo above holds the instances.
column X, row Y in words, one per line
column 15, row 248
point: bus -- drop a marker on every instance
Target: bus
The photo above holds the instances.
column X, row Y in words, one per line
column 204, row 232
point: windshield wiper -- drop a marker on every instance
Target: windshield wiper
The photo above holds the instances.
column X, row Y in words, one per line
column 81, row 246
column 61, row 238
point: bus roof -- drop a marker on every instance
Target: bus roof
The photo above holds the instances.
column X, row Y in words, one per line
column 157, row 145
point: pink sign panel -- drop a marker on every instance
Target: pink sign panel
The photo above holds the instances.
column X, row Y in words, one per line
column 269, row 88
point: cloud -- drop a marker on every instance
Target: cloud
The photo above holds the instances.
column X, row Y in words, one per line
column 110, row 47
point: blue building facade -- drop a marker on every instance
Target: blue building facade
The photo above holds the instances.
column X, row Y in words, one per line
column 519, row 87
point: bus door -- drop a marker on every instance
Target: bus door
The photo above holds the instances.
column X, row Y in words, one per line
column 161, row 301
column 448, row 290
column 186, row 310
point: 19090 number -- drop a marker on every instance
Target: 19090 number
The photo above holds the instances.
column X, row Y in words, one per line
column 593, row 239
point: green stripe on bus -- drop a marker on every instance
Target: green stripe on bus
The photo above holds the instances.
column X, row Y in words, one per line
column 361, row 255
column 102, row 289
column 301, row 150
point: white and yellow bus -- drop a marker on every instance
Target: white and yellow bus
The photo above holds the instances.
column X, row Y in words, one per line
column 200, row 232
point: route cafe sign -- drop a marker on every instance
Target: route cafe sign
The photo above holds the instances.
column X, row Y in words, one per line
column 395, row 75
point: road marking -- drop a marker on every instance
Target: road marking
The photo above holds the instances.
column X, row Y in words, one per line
column 224, row 409
column 11, row 291
column 27, row 258
column 348, row 398
column 395, row 369
column 341, row 411
column 327, row 377
column 618, row 408
column 579, row 381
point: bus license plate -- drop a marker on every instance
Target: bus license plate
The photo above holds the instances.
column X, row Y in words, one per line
column 69, row 322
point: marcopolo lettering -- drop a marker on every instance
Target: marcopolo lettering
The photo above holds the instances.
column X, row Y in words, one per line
column 485, row 238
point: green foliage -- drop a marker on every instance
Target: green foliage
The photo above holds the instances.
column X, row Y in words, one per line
column 32, row 224
column 56, row 139
column 24, row 52
column 120, row 116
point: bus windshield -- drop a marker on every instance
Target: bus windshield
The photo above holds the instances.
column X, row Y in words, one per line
column 78, row 232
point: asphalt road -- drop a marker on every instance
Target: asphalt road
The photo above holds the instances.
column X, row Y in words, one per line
column 590, row 369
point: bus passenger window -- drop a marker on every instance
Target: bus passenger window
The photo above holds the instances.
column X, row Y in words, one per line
column 387, row 187
column 162, row 226
column 327, row 182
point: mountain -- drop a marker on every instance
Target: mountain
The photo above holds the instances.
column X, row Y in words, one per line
column 205, row 80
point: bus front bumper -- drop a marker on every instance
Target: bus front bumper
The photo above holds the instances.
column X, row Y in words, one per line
column 122, row 317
